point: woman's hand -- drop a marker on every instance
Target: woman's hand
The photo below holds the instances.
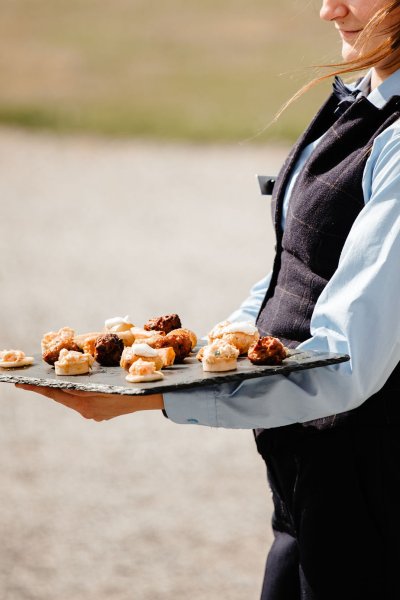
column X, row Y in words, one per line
column 99, row 407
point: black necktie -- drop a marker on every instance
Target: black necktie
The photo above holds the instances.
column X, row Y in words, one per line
column 346, row 96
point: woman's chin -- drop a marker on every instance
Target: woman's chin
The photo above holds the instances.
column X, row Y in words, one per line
column 349, row 52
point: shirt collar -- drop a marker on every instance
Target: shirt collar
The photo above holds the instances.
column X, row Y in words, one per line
column 381, row 94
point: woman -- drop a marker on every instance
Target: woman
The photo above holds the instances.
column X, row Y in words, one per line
column 330, row 436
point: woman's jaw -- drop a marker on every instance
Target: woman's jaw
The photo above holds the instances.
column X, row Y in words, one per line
column 350, row 18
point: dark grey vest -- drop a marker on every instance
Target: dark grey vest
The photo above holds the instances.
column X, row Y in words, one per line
column 325, row 201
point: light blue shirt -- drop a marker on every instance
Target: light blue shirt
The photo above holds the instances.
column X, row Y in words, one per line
column 358, row 312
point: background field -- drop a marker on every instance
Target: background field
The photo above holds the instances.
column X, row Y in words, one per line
column 182, row 69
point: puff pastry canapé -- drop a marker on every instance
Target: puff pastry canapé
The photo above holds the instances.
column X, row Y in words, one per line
column 11, row 359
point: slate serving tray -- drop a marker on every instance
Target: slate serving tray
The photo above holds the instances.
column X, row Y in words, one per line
column 111, row 380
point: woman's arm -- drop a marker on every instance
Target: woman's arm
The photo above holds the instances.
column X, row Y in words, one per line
column 358, row 313
column 99, row 407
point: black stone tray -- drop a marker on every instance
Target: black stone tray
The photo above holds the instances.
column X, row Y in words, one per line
column 111, row 380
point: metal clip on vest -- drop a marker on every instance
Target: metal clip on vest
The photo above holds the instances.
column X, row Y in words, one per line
column 266, row 183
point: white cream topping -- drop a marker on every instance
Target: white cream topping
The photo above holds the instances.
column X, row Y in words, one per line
column 241, row 327
column 217, row 329
column 115, row 321
column 143, row 350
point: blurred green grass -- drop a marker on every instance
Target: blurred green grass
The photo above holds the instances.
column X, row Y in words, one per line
column 203, row 70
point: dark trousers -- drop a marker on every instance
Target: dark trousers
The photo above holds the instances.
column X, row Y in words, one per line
column 336, row 495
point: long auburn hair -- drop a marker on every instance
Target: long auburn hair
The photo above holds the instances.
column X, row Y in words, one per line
column 387, row 51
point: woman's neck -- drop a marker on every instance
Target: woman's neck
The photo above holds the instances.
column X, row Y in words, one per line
column 378, row 75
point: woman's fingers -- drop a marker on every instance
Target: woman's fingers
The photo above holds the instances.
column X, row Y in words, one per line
column 53, row 393
column 90, row 405
column 50, row 391
column 86, row 394
column 71, row 401
column 98, row 406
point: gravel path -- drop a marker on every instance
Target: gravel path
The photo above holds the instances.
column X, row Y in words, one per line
column 137, row 508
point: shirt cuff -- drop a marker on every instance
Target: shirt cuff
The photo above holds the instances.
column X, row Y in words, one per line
column 192, row 407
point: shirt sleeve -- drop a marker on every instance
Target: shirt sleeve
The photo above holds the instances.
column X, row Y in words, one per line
column 358, row 313
column 250, row 307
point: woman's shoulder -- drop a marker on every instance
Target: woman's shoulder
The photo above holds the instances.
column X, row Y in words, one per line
column 387, row 141
column 382, row 169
